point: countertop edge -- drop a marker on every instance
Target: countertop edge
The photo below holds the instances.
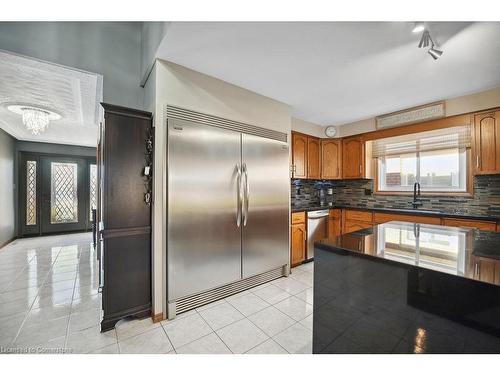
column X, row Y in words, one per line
column 399, row 211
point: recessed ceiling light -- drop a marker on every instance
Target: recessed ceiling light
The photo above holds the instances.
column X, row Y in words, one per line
column 419, row 26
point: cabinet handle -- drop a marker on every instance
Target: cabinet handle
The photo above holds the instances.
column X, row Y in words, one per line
column 476, row 269
column 477, row 161
column 360, row 167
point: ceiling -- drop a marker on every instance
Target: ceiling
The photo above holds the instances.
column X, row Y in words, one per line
column 74, row 94
column 334, row 73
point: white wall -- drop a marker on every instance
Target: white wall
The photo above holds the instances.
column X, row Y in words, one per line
column 454, row 106
column 189, row 89
column 179, row 86
column 307, row 127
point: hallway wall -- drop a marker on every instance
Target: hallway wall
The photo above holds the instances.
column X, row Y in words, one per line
column 7, row 201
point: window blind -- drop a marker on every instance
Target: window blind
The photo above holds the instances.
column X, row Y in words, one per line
column 439, row 139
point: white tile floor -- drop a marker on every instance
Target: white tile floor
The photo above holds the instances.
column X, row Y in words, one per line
column 49, row 300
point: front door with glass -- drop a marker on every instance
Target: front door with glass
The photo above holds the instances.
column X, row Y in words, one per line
column 57, row 193
column 63, row 206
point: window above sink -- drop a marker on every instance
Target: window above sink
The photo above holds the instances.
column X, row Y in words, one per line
column 437, row 159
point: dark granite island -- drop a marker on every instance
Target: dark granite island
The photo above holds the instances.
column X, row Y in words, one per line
column 407, row 288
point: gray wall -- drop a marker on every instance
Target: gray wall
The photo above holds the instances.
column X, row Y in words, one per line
column 152, row 35
column 7, row 201
column 52, row 148
column 112, row 49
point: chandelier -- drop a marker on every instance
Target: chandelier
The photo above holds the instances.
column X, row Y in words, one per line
column 35, row 119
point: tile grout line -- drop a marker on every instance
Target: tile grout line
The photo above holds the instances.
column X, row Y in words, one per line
column 168, row 338
column 228, row 348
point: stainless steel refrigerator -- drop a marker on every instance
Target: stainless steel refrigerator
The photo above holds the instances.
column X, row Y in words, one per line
column 228, row 209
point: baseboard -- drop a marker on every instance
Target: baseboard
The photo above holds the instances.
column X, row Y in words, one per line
column 157, row 317
column 7, row 242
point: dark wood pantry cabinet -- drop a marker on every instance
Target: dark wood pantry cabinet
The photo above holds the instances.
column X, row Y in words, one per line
column 124, row 213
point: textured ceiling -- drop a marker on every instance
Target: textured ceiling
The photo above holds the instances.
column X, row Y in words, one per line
column 74, row 94
column 337, row 72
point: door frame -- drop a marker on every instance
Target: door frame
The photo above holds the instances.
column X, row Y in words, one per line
column 36, row 229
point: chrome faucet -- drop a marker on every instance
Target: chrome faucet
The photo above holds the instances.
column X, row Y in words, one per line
column 416, row 203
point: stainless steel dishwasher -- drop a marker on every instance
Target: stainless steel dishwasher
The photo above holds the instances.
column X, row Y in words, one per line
column 317, row 228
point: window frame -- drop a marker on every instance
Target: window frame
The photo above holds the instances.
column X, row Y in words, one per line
column 469, row 192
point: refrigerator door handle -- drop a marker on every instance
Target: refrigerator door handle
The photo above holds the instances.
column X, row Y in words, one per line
column 246, row 195
column 238, row 195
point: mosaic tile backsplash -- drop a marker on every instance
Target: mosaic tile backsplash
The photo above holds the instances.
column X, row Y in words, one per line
column 359, row 193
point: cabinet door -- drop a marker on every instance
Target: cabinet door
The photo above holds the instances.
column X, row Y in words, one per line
column 313, row 158
column 334, row 227
column 487, row 143
column 331, row 159
column 299, row 156
column 353, row 158
column 298, row 243
column 487, row 270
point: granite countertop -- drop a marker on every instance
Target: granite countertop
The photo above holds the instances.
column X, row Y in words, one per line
column 443, row 249
column 409, row 211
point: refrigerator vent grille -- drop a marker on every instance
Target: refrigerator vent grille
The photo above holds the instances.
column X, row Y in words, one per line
column 204, row 298
column 202, row 118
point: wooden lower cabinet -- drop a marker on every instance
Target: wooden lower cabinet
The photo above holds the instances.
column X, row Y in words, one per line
column 335, row 223
column 486, row 269
column 353, row 220
column 352, row 226
column 481, row 225
column 298, row 218
column 381, row 217
column 298, row 244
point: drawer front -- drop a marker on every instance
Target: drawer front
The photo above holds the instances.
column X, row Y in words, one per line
column 353, row 226
column 298, row 218
column 356, row 215
column 379, row 218
column 336, row 213
column 482, row 225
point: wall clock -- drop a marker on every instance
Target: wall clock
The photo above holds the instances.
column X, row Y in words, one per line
column 330, row 131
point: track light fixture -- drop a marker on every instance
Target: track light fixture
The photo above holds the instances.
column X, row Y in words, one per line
column 426, row 41
column 435, row 53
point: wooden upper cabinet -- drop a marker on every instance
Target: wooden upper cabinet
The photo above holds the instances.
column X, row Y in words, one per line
column 487, row 143
column 353, row 158
column 331, row 159
column 299, row 156
column 313, row 158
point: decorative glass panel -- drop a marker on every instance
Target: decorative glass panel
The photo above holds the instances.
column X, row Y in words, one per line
column 64, row 193
column 31, row 192
column 93, row 188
